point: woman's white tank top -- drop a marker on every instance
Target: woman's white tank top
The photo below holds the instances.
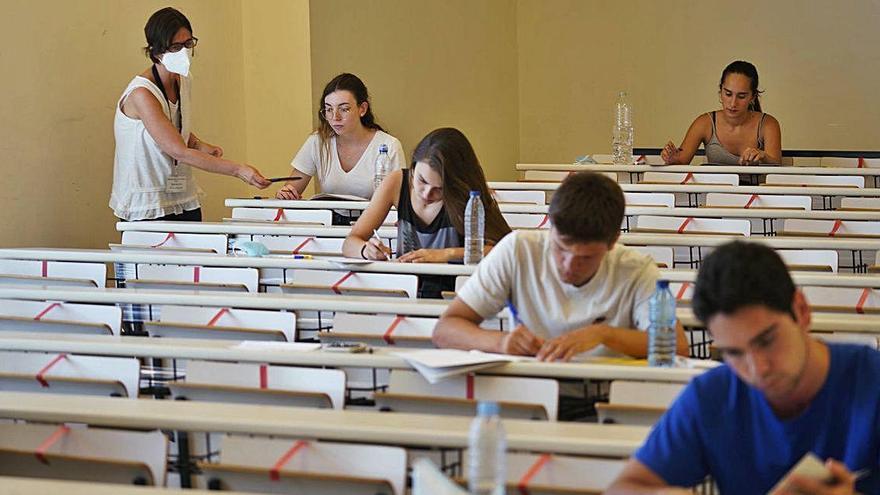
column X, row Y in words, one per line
column 141, row 168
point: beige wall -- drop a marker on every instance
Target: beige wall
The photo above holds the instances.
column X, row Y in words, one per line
column 818, row 63
column 68, row 62
column 427, row 64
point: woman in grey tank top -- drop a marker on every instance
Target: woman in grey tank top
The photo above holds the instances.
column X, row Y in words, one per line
column 738, row 134
column 430, row 198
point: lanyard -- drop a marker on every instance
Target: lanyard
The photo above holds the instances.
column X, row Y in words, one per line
column 179, row 102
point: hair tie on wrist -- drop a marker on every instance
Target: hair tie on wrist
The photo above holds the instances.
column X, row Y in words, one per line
column 362, row 251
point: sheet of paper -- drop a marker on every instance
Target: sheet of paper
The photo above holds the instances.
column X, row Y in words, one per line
column 810, row 466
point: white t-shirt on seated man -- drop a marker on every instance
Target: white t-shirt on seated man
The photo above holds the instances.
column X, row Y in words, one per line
column 574, row 288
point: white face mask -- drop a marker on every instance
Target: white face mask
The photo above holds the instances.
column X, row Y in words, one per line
column 177, row 62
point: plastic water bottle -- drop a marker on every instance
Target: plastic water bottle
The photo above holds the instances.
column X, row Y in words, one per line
column 474, row 227
column 661, row 330
column 381, row 167
column 622, row 140
column 487, row 446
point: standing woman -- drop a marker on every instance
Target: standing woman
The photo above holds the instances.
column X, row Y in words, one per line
column 740, row 133
column 155, row 147
column 342, row 152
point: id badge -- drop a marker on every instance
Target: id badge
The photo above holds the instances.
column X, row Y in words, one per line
column 176, row 182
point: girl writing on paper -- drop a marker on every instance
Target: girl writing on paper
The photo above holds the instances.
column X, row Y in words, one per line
column 738, row 134
column 155, row 145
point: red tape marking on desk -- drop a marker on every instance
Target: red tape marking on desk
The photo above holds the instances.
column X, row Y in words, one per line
column 167, row 238
column 687, row 178
column 339, row 282
column 837, row 225
column 285, row 458
column 217, row 316
column 264, row 376
column 684, row 224
column 302, row 245
column 278, row 215
column 751, row 200
column 523, row 484
column 682, row 290
column 860, row 306
column 544, row 221
column 197, row 274
column 641, row 160
column 40, row 376
column 40, row 451
column 469, row 386
column 45, row 268
column 861, row 162
column 46, row 310
column 391, row 327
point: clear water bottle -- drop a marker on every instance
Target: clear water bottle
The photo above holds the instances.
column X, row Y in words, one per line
column 382, row 166
column 622, row 140
column 487, row 446
column 474, row 227
column 661, row 330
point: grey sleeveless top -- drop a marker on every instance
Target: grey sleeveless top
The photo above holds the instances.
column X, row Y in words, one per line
column 716, row 152
column 413, row 235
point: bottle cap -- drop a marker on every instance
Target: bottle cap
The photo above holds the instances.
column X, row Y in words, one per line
column 488, row 408
column 383, row 148
column 475, row 193
column 663, row 284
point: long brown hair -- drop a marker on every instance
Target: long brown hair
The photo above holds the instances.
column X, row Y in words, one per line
column 354, row 85
column 449, row 153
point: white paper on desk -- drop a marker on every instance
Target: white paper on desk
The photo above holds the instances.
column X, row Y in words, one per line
column 428, row 480
column 703, row 364
column 437, row 364
column 260, row 345
column 340, row 260
column 809, row 466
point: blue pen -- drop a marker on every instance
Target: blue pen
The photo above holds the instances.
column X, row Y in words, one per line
column 302, row 256
column 514, row 315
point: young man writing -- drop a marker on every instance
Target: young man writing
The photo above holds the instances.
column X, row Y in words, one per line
column 781, row 395
column 574, row 288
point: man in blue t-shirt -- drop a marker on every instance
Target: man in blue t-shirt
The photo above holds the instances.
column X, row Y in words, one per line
column 781, row 395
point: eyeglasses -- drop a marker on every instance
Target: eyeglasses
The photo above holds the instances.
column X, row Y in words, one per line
column 330, row 112
column 190, row 43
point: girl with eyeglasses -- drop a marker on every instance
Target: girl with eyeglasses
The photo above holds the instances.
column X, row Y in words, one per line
column 738, row 134
column 155, row 145
column 341, row 154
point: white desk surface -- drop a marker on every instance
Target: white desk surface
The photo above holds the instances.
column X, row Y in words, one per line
column 355, row 304
column 247, row 228
column 256, row 300
column 171, row 348
column 342, row 425
column 32, row 486
column 109, row 256
column 716, row 169
column 854, row 192
column 777, row 242
column 630, row 210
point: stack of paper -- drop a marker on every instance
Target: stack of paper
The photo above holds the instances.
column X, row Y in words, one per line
column 437, row 364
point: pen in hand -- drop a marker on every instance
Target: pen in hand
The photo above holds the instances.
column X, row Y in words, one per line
column 381, row 243
column 514, row 315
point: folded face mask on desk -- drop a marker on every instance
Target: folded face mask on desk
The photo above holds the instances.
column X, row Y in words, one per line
column 249, row 248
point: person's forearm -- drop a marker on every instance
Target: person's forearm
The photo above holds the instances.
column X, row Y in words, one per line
column 631, row 342
column 208, row 163
column 351, row 247
column 458, row 333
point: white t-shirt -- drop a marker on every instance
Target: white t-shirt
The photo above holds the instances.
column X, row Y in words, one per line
column 359, row 180
column 521, row 268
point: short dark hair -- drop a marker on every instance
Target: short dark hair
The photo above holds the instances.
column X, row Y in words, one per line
column 740, row 274
column 160, row 30
column 588, row 207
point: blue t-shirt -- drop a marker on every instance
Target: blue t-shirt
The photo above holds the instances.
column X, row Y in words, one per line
column 722, row 427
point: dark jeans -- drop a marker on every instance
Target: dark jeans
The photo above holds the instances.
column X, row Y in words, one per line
column 187, row 216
